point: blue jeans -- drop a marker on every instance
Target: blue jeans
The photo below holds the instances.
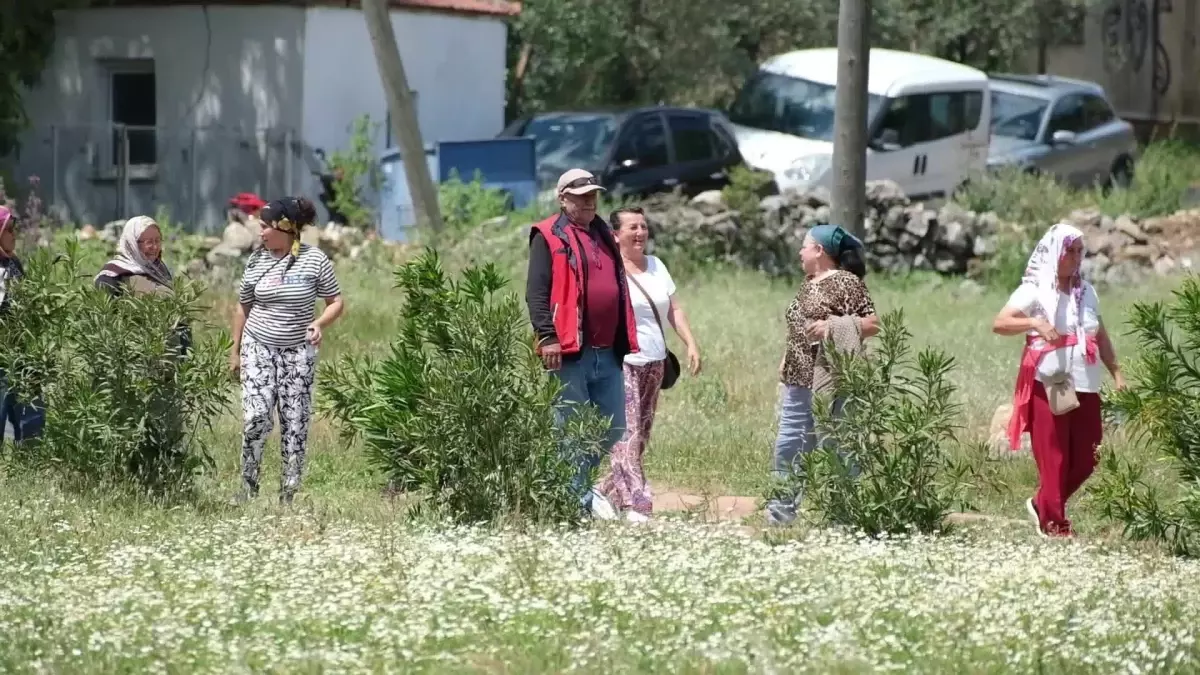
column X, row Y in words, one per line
column 595, row 377
column 26, row 420
column 797, row 437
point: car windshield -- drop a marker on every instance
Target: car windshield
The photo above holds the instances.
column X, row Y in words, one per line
column 790, row 105
column 568, row 140
column 1017, row 116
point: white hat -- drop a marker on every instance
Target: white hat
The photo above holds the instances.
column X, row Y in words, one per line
column 578, row 182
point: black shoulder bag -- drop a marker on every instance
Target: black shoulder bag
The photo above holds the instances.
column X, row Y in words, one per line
column 671, row 367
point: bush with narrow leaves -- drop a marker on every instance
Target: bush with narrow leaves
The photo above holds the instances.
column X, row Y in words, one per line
column 1161, row 407
column 887, row 463
column 123, row 404
column 460, row 411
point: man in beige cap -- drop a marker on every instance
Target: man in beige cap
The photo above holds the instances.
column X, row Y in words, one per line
column 581, row 314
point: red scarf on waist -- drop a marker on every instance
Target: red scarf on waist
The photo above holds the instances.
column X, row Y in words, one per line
column 1027, row 375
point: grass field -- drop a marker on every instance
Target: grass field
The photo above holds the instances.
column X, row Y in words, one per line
column 340, row 582
column 343, row 582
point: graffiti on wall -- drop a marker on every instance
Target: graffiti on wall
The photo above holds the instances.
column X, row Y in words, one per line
column 1128, row 31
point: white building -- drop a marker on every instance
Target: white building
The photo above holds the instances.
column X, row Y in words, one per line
column 226, row 97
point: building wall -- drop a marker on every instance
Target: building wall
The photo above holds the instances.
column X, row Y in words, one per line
column 1145, row 53
column 455, row 64
column 242, row 96
column 228, row 80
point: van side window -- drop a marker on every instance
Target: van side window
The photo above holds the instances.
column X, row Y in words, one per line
column 921, row 118
column 953, row 113
column 900, row 123
column 973, row 109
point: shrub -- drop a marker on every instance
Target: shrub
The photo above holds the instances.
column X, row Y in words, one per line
column 359, row 169
column 465, row 205
column 1005, row 268
column 1161, row 178
column 122, row 407
column 746, row 189
column 460, row 409
column 1019, row 197
column 1161, row 406
column 886, row 465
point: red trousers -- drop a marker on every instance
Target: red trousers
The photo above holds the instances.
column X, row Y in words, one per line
column 1064, row 447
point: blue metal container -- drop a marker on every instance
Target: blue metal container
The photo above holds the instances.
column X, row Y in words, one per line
column 397, row 217
column 506, row 164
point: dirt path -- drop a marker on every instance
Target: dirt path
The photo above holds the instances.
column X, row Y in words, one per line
column 707, row 507
column 718, row 508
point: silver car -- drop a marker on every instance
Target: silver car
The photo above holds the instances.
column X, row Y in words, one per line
column 1062, row 127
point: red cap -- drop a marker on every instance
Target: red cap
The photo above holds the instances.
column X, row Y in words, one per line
column 247, row 202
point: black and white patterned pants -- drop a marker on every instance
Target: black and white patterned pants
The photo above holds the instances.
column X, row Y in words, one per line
column 282, row 379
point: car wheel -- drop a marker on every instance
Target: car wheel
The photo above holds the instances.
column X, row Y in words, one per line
column 1121, row 175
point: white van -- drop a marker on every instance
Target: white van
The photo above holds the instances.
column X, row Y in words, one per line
column 927, row 118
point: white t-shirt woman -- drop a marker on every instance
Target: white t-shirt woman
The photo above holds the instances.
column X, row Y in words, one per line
column 657, row 282
column 1087, row 377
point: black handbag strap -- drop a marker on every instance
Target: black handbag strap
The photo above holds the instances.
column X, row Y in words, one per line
column 653, row 306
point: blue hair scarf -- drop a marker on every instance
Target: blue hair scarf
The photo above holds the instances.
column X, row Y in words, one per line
column 834, row 239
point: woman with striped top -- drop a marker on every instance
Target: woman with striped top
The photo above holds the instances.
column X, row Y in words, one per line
column 275, row 339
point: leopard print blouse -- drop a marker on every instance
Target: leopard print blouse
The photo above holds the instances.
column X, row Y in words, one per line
column 839, row 294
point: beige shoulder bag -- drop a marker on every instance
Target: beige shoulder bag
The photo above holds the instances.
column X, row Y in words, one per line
column 1060, row 390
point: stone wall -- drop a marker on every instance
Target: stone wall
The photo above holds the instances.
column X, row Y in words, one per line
column 902, row 235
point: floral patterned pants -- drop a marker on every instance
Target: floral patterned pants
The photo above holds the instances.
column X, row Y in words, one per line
column 625, row 485
column 275, row 379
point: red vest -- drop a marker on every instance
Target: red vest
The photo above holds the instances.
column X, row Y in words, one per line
column 568, row 283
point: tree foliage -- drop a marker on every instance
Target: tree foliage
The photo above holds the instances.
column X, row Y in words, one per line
column 627, row 52
column 123, row 402
column 1162, row 407
column 460, row 410
column 26, row 43
column 886, row 463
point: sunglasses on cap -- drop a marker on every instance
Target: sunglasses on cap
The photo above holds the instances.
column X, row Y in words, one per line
column 581, row 182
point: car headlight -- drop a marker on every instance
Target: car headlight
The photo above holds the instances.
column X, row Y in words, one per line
column 808, row 169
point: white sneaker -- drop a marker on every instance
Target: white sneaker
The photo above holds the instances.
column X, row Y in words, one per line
column 635, row 517
column 602, row 509
column 1033, row 515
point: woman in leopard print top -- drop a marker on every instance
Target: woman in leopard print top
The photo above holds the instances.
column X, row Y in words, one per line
column 833, row 286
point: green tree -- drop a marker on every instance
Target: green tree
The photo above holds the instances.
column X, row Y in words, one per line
column 628, row 52
column 26, row 43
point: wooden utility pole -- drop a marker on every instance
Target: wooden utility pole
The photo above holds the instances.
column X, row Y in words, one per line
column 850, row 116
column 404, row 114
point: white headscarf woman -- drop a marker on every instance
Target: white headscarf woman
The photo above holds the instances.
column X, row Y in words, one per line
column 139, row 256
column 1057, row 394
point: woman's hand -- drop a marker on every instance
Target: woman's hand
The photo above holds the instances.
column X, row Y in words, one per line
column 1119, row 381
column 314, row 334
column 817, row 330
column 694, row 364
column 1046, row 330
column 235, row 362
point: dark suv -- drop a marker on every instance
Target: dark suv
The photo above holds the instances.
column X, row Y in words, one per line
column 634, row 152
